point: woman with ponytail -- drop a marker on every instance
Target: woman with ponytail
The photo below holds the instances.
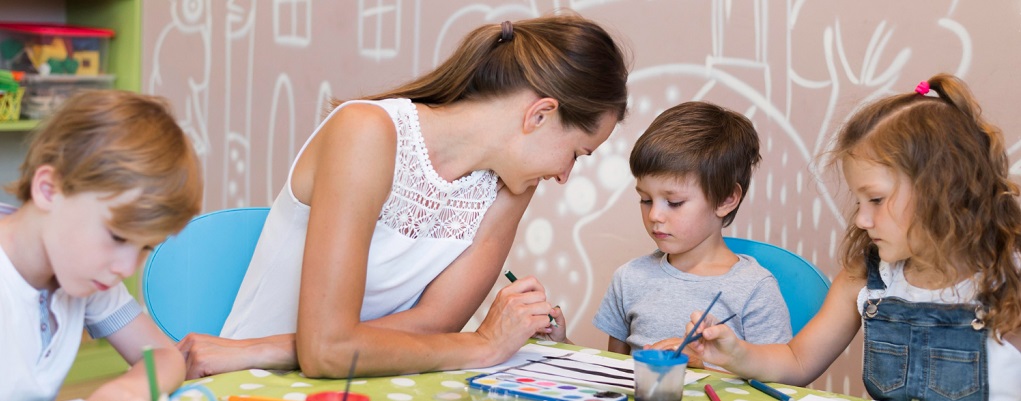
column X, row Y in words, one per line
column 400, row 210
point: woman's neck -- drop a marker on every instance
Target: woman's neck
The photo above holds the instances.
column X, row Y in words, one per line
column 471, row 135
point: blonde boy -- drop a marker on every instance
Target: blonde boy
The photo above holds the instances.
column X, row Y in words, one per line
column 106, row 178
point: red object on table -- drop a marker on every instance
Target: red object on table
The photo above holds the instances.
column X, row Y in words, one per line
column 336, row 396
column 711, row 393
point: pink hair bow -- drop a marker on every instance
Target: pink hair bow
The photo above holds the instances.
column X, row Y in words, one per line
column 922, row 88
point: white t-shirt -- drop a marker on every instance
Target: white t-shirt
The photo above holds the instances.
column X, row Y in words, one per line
column 31, row 369
column 426, row 222
column 1004, row 360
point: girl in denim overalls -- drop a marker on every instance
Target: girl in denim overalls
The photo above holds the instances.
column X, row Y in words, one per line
column 930, row 262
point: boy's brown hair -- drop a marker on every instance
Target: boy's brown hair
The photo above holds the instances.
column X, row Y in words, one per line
column 718, row 145
column 113, row 141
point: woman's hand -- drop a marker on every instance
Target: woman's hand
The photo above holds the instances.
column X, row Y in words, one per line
column 556, row 332
column 519, row 311
column 207, row 355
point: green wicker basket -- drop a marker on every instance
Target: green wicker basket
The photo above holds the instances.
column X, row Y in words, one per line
column 10, row 105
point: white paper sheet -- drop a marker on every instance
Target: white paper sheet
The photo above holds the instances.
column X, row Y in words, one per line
column 562, row 365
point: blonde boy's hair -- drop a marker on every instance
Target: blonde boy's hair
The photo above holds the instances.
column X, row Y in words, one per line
column 113, row 141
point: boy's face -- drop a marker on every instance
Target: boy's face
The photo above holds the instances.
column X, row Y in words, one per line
column 677, row 214
column 87, row 254
column 884, row 199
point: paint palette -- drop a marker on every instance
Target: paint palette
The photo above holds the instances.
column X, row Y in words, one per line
column 540, row 389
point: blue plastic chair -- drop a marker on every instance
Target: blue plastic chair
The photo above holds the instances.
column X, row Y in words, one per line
column 802, row 285
column 191, row 279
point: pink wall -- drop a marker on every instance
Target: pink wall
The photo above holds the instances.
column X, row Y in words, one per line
column 249, row 80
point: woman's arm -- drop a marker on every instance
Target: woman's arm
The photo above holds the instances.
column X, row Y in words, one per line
column 453, row 296
column 130, row 341
column 207, row 355
column 445, row 306
column 364, row 170
column 802, row 360
column 352, row 171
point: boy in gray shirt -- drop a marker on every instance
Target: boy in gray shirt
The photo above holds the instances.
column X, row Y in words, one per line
column 693, row 166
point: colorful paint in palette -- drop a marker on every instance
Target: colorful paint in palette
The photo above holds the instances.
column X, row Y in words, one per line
column 539, row 389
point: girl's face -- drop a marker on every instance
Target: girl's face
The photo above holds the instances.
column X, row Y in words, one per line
column 550, row 153
column 85, row 252
column 884, row 198
column 676, row 213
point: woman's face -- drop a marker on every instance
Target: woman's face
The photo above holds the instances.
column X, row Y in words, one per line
column 550, row 152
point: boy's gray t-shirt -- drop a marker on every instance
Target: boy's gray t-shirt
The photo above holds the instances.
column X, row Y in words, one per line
column 650, row 300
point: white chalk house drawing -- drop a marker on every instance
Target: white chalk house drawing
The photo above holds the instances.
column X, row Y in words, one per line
column 250, row 80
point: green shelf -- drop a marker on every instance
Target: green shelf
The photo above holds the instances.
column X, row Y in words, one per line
column 19, row 125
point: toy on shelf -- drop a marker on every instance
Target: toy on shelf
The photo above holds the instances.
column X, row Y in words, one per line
column 57, row 49
column 57, row 60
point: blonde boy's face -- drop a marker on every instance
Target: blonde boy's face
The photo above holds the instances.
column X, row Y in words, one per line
column 87, row 254
column 677, row 214
column 883, row 197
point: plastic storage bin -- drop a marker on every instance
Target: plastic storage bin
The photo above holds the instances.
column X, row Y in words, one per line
column 44, row 93
column 54, row 49
column 58, row 61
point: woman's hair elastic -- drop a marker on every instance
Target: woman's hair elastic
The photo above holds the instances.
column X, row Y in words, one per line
column 506, row 32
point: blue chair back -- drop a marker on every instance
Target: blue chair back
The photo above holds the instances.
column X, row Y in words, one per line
column 802, row 285
column 191, row 279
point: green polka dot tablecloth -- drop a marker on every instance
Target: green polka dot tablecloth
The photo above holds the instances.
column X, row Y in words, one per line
column 451, row 385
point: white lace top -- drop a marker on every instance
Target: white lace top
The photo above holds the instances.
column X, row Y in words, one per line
column 426, row 222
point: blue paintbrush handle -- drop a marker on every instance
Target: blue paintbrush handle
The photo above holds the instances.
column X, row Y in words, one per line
column 699, row 335
column 772, row 392
column 687, row 338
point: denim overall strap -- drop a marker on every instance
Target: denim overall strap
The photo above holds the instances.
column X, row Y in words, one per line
column 923, row 351
column 872, row 265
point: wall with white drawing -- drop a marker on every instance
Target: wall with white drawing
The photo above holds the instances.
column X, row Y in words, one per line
column 249, row 81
